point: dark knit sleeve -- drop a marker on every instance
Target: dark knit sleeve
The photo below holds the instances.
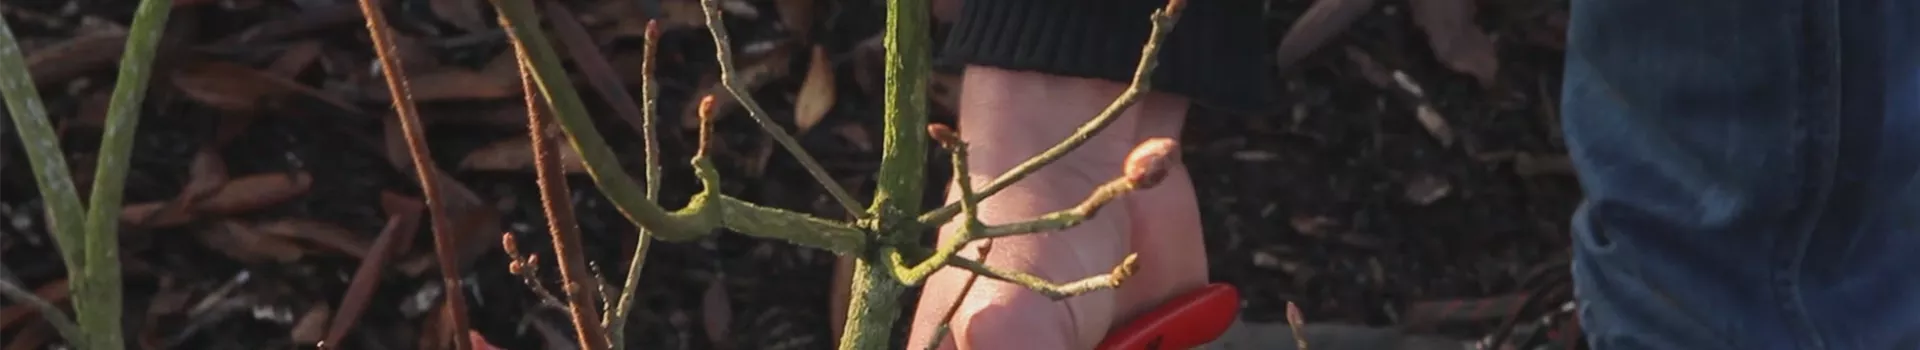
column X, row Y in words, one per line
column 1215, row 54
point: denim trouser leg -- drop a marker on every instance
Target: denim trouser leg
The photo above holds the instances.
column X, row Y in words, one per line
column 1750, row 169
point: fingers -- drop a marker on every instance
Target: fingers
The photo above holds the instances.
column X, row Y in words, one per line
column 1005, row 318
column 1009, row 116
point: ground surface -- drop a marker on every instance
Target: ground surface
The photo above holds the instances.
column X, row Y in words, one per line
column 1364, row 203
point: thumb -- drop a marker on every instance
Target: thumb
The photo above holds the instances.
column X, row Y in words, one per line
column 998, row 315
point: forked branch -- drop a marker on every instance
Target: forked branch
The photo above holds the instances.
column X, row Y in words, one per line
column 1163, row 21
column 706, row 211
column 723, row 51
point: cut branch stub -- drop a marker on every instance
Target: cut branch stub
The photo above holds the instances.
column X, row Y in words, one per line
column 944, row 134
column 707, row 105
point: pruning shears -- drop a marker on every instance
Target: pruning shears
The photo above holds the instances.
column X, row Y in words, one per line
column 1189, row 321
column 1208, row 318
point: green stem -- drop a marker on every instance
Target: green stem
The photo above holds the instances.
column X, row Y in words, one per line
column 617, row 320
column 99, row 311
column 707, row 211
column 50, row 172
column 875, row 300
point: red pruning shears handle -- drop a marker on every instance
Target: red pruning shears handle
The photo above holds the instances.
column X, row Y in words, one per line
column 1187, row 321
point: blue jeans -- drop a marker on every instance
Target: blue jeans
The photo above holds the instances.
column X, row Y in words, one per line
column 1752, row 171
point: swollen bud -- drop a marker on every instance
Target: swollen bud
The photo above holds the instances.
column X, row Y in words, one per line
column 653, row 31
column 944, row 134
column 707, row 105
column 1174, row 6
column 1126, row 268
column 1148, row 163
column 706, row 123
column 506, row 242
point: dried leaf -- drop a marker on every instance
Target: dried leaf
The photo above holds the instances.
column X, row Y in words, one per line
column 93, row 113
column 1370, row 68
column 480, row 342
column 1435, row 124
column 318, row 18
column 205, row 175
column 397, row 204
column 797, row 16
column 55, row 292
column 236, row 240
column 296, row 58
column 237, row 88
column 312, row 326
column 318, row 232
column 1426, row 188
column 33, row 337
column 461, row 13
column 154, row 215
column 1312, row 225
column 366, row 277
column 252, row 192
column 474, row 221
column 451, row 83
column 83, row 54
column 516, row 154
column 753, row 71
column 1322, row 21
column 816, row 93
column 1456, row 40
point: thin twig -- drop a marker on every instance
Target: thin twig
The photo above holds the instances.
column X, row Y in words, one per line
column 617, row 320
column 1052, row 290
column 52, row 314
column 366, row 277
column 1296, row 321
column 1145, row 166
column 963, row 180
column 527, row 266
column 946, row 322
column 558, row 204
column 402, row 97
column 706, row 211
column 1163, row 22
column 580, row 46
column 723, row 51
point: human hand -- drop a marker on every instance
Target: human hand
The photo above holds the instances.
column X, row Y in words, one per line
column 1008, row 116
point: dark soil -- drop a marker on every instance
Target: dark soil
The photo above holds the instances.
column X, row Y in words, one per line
column 1346, row 204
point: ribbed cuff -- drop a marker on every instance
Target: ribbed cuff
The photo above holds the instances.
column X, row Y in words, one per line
column 1214, row 55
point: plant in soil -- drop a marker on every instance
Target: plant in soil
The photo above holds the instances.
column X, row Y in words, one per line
column 883, row 237
column 87, row 234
